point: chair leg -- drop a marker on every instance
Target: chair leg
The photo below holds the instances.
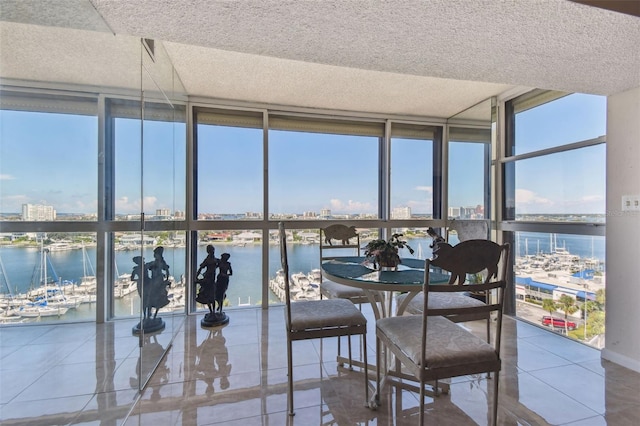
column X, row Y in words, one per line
column 377, row 370
column 494, row 414
column 489, row 339
column 350, row 355
column 489, row 330
column 290, row 378
column 366, row 370
column 421, row 414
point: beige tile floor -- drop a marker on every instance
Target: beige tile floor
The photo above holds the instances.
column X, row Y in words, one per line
column 86, row 374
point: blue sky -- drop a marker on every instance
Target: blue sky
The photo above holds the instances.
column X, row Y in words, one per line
column 52, row 159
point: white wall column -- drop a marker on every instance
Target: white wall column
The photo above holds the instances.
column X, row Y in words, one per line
column 622, row 342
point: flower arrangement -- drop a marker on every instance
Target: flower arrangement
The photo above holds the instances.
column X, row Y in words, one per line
column 385, row 252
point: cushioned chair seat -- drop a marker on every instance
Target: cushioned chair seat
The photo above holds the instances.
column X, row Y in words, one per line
column 332, row 290
column 439, row 301
column 324, row 314
column 448, row 345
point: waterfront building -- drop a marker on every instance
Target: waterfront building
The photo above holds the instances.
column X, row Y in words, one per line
column 401, row 213
column 455, row 212
column 38, row 212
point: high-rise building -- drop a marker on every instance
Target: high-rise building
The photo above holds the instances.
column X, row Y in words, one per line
column 401, row 213
column 38, row 212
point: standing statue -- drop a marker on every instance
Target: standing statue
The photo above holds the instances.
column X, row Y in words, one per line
column 140, row 275
column 222, row 282
column 207, row 282
column 153, row 279
column 206, row 277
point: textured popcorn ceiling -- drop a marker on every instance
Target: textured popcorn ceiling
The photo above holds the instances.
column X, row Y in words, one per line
column 429, row 57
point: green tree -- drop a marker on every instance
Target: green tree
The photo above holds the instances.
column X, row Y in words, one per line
column 596, row 323
column 600, row 298
column 550, row 306
column 568, row 305
column 588, row 308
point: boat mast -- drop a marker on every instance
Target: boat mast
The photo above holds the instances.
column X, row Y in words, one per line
column 6, row 278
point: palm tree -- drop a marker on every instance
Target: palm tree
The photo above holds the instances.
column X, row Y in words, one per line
column 550, row 306
column 568, row 305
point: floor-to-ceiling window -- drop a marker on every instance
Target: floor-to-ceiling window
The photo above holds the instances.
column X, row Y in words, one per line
column 555, row 209
column 468, row 173
column 144, row 183
column 321, row 170
column 48, row 187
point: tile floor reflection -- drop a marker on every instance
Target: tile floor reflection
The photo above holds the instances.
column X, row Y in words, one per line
column 86, row 374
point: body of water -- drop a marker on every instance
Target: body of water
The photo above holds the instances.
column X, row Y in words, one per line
column 22, row 270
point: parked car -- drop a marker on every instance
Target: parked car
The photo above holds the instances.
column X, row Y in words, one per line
column 558, row 322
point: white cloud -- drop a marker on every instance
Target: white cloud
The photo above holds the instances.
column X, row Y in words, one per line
column 6, row 177
column 350, row 206
column 525, row 196
column 124, row 205
column 428, row 189
column 592, row 198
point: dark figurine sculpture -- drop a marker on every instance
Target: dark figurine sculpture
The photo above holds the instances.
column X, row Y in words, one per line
column 207, row 282
column 141, row 276
column 478, row 254
column 152, row 281
column 212, row 291
column 222, row 282
column 435, row 236
column 339, row 232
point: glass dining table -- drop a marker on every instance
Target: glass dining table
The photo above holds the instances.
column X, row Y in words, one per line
column 380, row 285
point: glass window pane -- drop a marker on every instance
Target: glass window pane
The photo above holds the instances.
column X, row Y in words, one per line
column 48, row 166
column 48, row 277
column 571, row 184
column 127, row 168
column 322, row 175
column 303, row 252
column 467, row 180
column 128, row 247
column 411, row 178
column 245, row 256
column 418, row 240
column 164, row 170
column 572, row 118
column 550, row 267
column 230, row 178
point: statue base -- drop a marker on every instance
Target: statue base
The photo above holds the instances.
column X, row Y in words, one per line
column 149, row 325
column 214, row 319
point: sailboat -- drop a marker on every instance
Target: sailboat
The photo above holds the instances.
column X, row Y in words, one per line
column 123, row 285
column 85, row 291
column 39, row 306
column 9, row 303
